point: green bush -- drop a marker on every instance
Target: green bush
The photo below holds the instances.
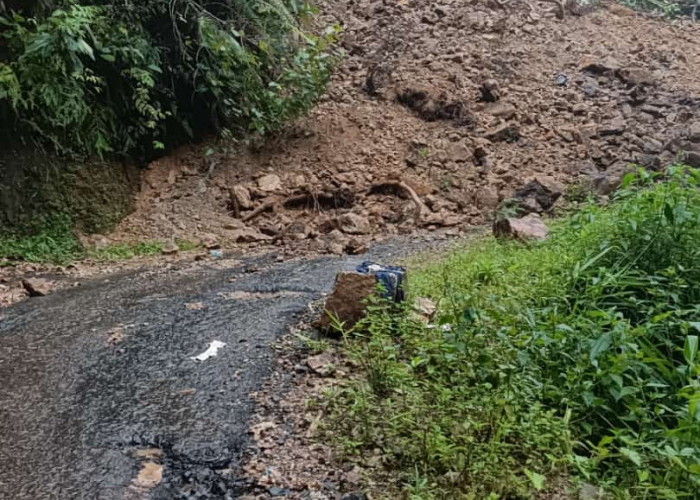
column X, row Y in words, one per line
column 116, row 77
column 572, row 360
column 49, row 240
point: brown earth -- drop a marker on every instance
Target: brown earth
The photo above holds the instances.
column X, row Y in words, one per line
column 406, row 138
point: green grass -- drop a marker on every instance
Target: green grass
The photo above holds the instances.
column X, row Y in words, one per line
column 123, row 251
column 549, row 365
column 50, row 240
column 53, row 241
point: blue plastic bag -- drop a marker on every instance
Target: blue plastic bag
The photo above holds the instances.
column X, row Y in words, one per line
column 392, row 279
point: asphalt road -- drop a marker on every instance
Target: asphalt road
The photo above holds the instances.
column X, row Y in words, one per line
column 91, row 375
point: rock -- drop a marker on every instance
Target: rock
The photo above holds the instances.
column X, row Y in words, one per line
column 150, row 475
column 505, row 132
column 590, row 492
column 490, row 91
column 269, row 183
column 608, row 65
column 169, row 248
column 148, row 454
column 539, row 194
column 347, row 302
column 358, row 495
column 37, row 287
column 605, row 183
column 249, row 235
column 500, row 109
column 616, row 126
column 692, row 159
column 650, row 162
column 352, row 223
column 424, row 307
column 528, row 228
column 335, row 248
column 694, row 132
column 356, row 247
column 636, row 76
column 621, row 10
column 321, row 364
column 240, row 198
column 210, row 241
column 487, row 198
column 590, row 87
column 459, row 152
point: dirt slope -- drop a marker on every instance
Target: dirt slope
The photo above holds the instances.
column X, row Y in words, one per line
column 463, row 103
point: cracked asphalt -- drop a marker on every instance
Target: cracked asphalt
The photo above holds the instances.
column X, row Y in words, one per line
column 76, row 402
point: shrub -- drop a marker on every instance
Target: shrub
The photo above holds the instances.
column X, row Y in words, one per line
column 571, row 360
column 127, row 78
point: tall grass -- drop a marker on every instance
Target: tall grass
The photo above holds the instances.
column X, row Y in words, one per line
column 573, row 360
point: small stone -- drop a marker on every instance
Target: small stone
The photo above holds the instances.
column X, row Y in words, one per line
column 352, row 223
column 459, row 152
column 694, row 132
column 169, row 248
column 503, row 133
column 37, row 287
column 210, row 241
column 616, row 126
column 490, row 91
column 148, row 454
column 150, row 475
column 608, row 65
column 636, row 76
column 358, row 495
column 500, row 109
column 425, row 307
column 298, row 229
column 528, row 228
column 240, row 198
column 589, row 492
column 249, row 235
column 692, row 159
column 270, row 182
column 356, row 247
column 321, row 364
column 487, row 198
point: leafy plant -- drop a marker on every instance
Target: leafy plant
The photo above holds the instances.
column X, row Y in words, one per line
column 571, row 360
column 114, row 78
column 50, row 240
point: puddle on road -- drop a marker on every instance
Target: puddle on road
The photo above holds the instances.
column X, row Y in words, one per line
column 243, row 295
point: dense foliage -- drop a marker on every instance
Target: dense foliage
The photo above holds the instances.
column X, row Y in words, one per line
column 670, row 8
column 113, row 77
column 573, row 360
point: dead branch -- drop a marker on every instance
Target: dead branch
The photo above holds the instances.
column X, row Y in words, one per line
column 268, row 205
column 406, row 189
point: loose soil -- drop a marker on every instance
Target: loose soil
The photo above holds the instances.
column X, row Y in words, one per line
column 437, row 113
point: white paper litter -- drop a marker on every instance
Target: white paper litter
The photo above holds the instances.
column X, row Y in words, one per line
column 212, row 351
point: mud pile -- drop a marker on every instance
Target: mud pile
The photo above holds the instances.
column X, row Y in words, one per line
column 438, row 112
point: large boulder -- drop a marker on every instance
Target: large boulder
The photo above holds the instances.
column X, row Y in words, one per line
column 527, row 228
column 347, row 303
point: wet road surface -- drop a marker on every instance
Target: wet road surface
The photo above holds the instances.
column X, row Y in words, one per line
column 91, row 375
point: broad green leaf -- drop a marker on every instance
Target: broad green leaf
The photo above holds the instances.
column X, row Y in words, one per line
column 690, row 349
column 601, row 345
column 632, row 455
column 536, row 479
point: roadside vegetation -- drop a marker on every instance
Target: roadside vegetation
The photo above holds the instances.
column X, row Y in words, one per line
column 53, row 242
column 548, row 367
column 669, row 8
column 87, row 79
column 129, row 78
